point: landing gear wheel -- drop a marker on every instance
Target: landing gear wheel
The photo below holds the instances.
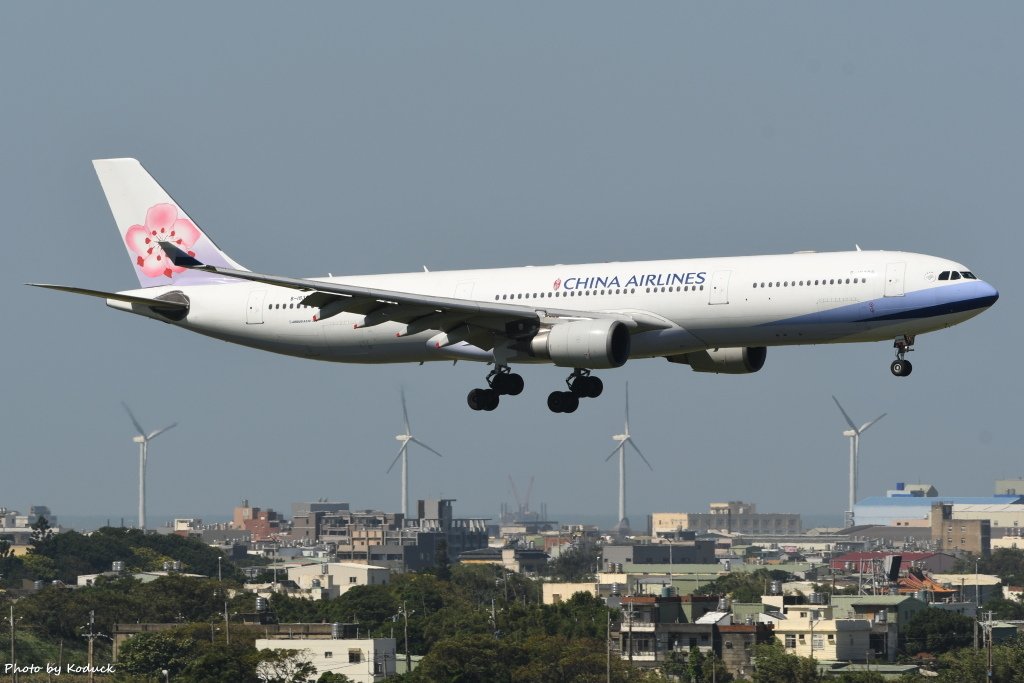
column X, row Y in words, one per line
column 482, row 399
column 593, row 387
column 510, row 384
column 563, row 402
column 901, row 368
column 506, row 383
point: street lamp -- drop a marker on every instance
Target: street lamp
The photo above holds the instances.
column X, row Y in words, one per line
column 167, row 675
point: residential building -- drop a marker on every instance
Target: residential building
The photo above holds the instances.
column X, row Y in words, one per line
column 264, row 524
column 515, row 559
column 886, row 510
column 325, row 580
column 554, row 593
column 732, row 517
column 813, row 631
column 362, row 660
column 1010, row 487
column 386, row 538
column 886, row 614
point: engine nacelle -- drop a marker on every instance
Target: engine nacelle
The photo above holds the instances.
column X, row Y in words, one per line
column 584, row 344
column 732, row 361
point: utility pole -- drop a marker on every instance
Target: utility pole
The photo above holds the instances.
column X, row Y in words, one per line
column 92, row 621
column 977, row 603
column 608, row 647
column 988, row 635
column 227, row 624
column 14, row 662
column 405, row 617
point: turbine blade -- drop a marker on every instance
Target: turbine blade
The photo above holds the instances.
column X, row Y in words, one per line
column 640, row 453
column 868, row 424
column 400, row 451
column 627, row 408
column 612, row 454
column 417, row 441
column 153, row 435
column 138, row 427
column 848, row 420
column 405, row 414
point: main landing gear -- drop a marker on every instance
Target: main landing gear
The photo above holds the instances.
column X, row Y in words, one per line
column 581, row 385
column 902, row 367
column 502, row 382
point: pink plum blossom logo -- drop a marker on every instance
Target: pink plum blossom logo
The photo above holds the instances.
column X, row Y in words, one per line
column 162, row 225
column 557, row 284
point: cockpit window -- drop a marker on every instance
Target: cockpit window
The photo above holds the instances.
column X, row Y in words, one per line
column 968, row 275
column 944, row 275
column 954, row 275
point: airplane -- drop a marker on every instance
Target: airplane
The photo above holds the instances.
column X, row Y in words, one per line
column 716, row 315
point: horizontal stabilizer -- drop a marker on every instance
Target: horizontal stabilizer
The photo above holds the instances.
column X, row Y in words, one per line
column 114, row 296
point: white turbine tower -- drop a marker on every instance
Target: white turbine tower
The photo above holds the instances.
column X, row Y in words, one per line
column 143, row 440
column 403, row 453
column 854, row 435
column 623, row 439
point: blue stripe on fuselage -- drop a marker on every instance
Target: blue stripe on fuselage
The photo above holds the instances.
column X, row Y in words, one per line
column 923, row 303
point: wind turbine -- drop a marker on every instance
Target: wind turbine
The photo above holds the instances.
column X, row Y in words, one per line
column 623, row 439
column 403, row 453
column 854, row 435
column 143, row 440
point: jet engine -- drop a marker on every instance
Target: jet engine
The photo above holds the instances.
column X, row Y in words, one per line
column 584, row 344
column 732, row 361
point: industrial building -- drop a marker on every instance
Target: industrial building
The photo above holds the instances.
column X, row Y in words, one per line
column 730, row 517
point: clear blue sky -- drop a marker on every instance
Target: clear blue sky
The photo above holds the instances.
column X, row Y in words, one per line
column 379, row 137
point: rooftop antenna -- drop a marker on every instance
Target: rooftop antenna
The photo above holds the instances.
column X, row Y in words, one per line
column 623, row 439
column 143, row 440
column 406, row 438
column 854, row 435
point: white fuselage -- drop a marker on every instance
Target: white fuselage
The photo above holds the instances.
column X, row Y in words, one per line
column 803, row 298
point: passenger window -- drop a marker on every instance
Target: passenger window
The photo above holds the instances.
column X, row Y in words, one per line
column 954, row 275
column 944, row 275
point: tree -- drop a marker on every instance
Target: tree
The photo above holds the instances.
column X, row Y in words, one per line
column 936, row 631
column 284, row 666
column 573, row 564
column 148, row 653
column 772, row 664
column 331, row 677
column 41, row 531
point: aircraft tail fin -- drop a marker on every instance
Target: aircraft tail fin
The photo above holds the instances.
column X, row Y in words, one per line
column 146, row 215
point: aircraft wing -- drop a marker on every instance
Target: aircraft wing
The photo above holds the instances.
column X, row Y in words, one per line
column 115, row 296
column 421, row 312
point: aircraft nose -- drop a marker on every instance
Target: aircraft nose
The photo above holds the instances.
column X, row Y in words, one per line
column 988, row 293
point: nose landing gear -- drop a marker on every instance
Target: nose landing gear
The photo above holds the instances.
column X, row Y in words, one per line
column 903, row 345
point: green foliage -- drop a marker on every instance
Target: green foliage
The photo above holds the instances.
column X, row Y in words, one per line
column 1003, row 608
column 936, row 631
column 148, row 653
column 442, row 563
column 41, row 531
column 573, row 564
column 743, row 586
column 772, row 664
column 539, row 659
column 697, row 666
column 73, row 553
column 284, row 666
column 331, row 677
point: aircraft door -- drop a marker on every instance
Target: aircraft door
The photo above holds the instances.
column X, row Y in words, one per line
column 894, row 276
column 720, row 287
column 254, row 307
